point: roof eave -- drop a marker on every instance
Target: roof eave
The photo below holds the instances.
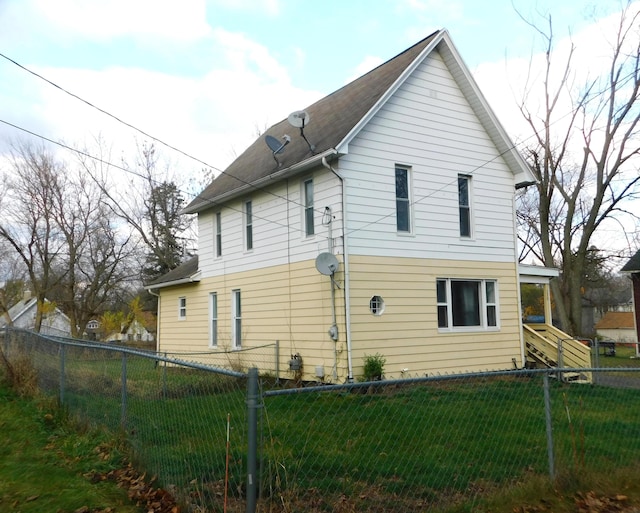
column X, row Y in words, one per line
column 299, row 167
column 194, row 278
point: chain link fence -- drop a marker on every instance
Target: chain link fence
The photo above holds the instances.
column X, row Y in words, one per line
column 178, row 417
column 437, row 443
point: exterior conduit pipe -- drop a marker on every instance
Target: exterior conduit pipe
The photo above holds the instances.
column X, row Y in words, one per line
column 347, row 303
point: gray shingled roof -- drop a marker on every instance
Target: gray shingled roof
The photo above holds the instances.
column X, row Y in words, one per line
column 184, row 272
column 633, row 265
column 331, row 119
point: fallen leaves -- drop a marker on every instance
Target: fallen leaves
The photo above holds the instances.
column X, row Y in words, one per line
column 140, row 491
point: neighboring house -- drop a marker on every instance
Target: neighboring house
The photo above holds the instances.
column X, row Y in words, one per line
column 386, row 225
column 617, row 326
column 23, row 315
column 132, row 332
column 632, row 268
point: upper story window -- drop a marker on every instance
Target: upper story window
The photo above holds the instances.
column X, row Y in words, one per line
column 307, row 192
column 403, row 203
column 467, row 303
column 464, row 204
column 218, row 234
column 248, row 225
column 182, row 308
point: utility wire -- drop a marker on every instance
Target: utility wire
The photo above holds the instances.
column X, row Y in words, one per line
column 129, row 125
column 126, row 170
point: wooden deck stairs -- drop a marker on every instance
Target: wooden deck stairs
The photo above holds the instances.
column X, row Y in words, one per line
column 547, row 346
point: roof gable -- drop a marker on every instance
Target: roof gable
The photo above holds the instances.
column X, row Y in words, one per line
column 337, row 118
column 332, row 119
column 633, row 265
column 616, row 320
column 185, row 273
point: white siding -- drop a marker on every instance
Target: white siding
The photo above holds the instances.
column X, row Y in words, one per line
column 428, row 126
column 278, row 233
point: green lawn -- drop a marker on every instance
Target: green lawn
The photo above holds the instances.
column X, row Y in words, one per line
column 43, row 462
column 397, row 448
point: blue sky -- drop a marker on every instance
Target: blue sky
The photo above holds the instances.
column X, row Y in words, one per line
column 207, row 76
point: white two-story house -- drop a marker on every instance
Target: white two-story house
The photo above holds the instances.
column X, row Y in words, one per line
column 379, row 220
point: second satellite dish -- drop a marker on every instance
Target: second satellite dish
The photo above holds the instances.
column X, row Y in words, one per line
column 299, row 118
column 327, row 264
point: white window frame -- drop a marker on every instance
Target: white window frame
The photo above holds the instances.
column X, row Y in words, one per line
column 248, row 225
column 465, row 211
column 213, row 320
column 308, row 217
column 402, row 200
column 489, row 309
column 182, row 308
column 217, row 233
column 236, row 319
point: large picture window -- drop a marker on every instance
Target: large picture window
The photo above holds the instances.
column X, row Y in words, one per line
column 466, row 304
column 403, row 204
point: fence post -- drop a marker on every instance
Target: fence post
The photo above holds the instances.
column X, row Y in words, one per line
column 123, row 380
column 63, row 358
column 252, row 442
column 547, row 413
column 277, row 362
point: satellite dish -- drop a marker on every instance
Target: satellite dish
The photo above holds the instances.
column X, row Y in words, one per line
column 299, row 118
column 275, row 145
column 327, row 264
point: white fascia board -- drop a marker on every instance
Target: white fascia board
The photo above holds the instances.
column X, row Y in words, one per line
column 536, row 273
column 469, row 87
column 195, row 278
column 315, row 160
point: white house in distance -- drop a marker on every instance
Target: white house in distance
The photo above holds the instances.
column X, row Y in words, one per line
column 379, row 220
column 23, row 315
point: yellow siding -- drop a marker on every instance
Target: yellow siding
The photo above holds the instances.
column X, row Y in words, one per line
column 292, row 304
column 289, row 304
column 407, row 335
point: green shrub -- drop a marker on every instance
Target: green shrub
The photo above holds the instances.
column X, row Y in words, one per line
column 373, row 367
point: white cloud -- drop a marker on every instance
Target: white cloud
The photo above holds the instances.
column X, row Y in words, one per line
column 270, row 7
column 167, row 19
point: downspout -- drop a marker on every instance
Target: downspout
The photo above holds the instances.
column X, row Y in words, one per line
column 347, row 305
column 150, row 291
column 523, row 352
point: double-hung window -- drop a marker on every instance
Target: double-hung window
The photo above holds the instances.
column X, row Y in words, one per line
column 466, row 303
column 182, row 308
column 218, row 234
column 403, row 202
column 236, row 321
column 213, row 316
column 464, row 204
column 307, row 193
column 248, row 225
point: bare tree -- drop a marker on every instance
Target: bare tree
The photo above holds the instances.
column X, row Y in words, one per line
column 152, row 208
column 57, row 223
column 27, row 213
column 585, row 160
